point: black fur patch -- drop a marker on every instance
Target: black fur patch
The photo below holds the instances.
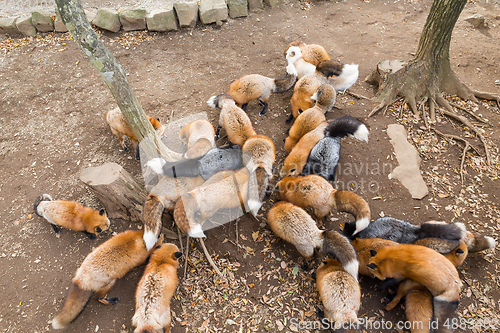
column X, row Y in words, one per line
column 373, row 253
column 178, row 254
column 372, row 266
column 101, row 212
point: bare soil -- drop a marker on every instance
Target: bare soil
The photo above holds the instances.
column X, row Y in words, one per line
column 52, row 125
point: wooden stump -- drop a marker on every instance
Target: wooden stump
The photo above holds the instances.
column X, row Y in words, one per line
column 384, row 68
column 119, row 192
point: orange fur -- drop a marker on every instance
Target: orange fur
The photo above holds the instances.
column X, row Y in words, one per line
column 155, row 290
column 312, row 53
column 100, row 270
column 363, row 247
column 120, row 127
column 297, row 159
column 72, row 215
column 199, row 137
column 236, row 122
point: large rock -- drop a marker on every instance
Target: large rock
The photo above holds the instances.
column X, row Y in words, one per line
column 24, row 25
column 91, row 14
column 237, row 8
column 187, row 13
column 162, row 19
column 255, row 5
column 8, row 26
column 408, row 171
column 59, row 25
column 42, row 21
column 133, row 19
column 477, row 20
column 107, row 19
column 212, row 11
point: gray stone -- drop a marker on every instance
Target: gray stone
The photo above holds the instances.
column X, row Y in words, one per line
column 42, row 21
column 212, row 11
column 271, row 3
column 8, row 25
column 91, row 14
column 477, row 20
column 162, row 19
column 59, row 25
column 24, row 25
column 187, row 13
column 255, row 5
column 107, row 19
column 133, row 19
column 408, row 171
column 237, row 8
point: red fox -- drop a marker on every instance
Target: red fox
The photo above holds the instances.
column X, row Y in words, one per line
column 71, row 215
column 340, row 294
column 234, row 120
column 199, row 137
column 225, row 189
column 99, row 271
column 255, row 86
column 294, row 57
column 258, row 157
column 295, row 226
column 311, row 53
column 364, row 246
column 155, row 290
column 424, row 266
column 162, row 198
column 315, row 192
column 311, row 118
column 120, row 127
column 340, row 76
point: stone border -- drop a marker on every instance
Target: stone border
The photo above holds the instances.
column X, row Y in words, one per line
column 186, row 13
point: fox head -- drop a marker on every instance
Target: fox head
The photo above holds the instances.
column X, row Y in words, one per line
column 166, row 253
column 292, row 167
column 155, row 122
column 373, row 266
column 98, row 223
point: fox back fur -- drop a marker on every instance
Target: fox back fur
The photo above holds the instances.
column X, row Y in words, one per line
column 294, row 225
column 199, row 137
column 339, row 292
column 71, row 215
column 225, row 189
column 234, row 120
column 120, row 127
column 155, row 290
column 99, row 271
column 312, row 53
column 311, row 118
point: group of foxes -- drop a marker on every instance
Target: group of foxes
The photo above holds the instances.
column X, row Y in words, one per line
column 422, row 259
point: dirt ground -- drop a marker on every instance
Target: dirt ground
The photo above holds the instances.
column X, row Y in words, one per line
column 52, row 126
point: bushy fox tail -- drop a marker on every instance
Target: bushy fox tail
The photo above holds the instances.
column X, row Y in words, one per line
column 444, row 312
column 455, row 231
column 346, row 201
column 152, row 213
column 75, row 302
column 287, row 82
column 258, row 181
column 347, row 125
column 43, row 197
column 339, row 247
column 476, row 242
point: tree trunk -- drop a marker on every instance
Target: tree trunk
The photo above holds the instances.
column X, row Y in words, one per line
column 429, row 72
column 73, row 16
column 120, row 193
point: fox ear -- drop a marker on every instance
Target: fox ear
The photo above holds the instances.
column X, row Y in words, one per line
column 372, row 266
column 102, row 212
column 373, row 253
column 158, row 119
column 459, row 251
column 178, row 254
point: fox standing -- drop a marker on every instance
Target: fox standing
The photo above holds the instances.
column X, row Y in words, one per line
column 71, row 215
column 99, row 271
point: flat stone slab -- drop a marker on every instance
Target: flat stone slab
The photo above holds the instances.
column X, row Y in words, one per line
column 24, row 25
column 212, row 11
column 107, row 19
column 408, row 171
column 255, row 5
column 133, row 19
column 8, row 26
column 42, row 21
column 187, row 13
column 237, row 8
column 59, row 25
column 162, row 19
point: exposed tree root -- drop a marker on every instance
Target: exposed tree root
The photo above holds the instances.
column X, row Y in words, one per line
column 358, row 96
column 471, row 113
column 209, row 258
column 466, row 148
column 487, row 96
column 186, row 258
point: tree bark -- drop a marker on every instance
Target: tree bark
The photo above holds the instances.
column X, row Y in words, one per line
column 73, row 16
column 120, row 193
